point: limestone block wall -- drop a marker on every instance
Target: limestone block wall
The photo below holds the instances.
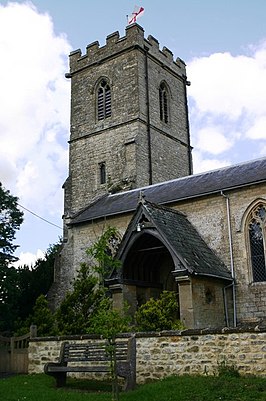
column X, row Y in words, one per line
column 209, row 216
column 177, row 353
column 164, row 355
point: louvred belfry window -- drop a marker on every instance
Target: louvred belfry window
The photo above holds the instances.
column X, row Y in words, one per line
column 104, row 100
column 163, row 98
column 257, row 227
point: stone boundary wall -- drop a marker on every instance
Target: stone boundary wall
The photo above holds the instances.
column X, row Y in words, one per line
column 176, row 353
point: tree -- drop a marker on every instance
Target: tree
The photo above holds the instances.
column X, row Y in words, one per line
column 107, row 321
column 79, row 306
column 10, row 220
column 8, row 299
column 20, row 289
column 88, row 308
column 42, row 317
column 102, row 254
column 73, row 315
column 36, row 280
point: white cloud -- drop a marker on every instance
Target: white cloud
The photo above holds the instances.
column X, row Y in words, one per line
column 228, row 104
column 229, row 85
column 34, row 111
column 258, row 129
column 29, row 259
column 201, row 164
column 212, row 140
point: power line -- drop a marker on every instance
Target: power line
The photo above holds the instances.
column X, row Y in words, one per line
column 39, row 217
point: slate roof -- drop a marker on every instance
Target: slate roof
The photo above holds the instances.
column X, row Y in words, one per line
column 197, row 185
column 191, row 254
column 184, row 239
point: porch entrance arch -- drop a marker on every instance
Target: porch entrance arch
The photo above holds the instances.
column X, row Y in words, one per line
column 147, row 268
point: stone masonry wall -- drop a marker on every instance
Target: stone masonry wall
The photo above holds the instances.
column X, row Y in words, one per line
column 209, row 216
column 177, row 353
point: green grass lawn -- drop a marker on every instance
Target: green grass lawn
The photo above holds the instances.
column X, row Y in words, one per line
column 184, row 388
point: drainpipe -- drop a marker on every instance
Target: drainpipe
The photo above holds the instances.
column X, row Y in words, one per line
column 231, row 256
column 187, row 83
column 148, row 114
column 226, row 304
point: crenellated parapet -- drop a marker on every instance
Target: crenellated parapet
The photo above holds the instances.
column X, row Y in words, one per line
column 134, row 38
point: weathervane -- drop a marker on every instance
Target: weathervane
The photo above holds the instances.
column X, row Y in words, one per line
column 138, row 12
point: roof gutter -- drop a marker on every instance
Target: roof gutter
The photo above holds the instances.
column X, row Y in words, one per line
column 213, row 276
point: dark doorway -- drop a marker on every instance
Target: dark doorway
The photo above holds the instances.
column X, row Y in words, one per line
column 148, row 266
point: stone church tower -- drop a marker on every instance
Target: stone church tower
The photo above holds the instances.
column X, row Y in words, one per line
column 129, row 129
column 129, row 119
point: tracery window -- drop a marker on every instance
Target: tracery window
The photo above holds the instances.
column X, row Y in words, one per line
column 104, row 100
column 164, row 103
column 257, row 241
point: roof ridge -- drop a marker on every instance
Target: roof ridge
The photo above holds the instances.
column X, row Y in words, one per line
column 188, row 177
column 167, row 208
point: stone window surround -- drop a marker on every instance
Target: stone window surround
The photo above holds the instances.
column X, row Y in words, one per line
column 104, row 102
column 246, row 226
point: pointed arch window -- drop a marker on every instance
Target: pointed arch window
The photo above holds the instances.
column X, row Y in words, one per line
column 164, row 103
column 102, row 171
column 257, row 242
column 104, row 100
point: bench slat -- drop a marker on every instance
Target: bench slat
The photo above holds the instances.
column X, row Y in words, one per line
column 69, row 369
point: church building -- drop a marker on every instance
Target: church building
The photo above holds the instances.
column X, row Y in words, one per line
column 130, row 167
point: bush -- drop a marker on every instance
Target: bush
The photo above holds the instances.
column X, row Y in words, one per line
column 42, row 317
column 159, row 314
column 225, row 369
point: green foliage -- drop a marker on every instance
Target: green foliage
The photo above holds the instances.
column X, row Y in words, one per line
column 75, row 311
column 103, row 252
column 20, row 289
column 159, row 314
column 225, row 369
column 9, row 296
column 10, row 220
column 42, row 317
column 107, row 321
column 88, row 308
column 36, row 280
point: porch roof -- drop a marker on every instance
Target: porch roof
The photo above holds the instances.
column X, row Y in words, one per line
column 181, row 238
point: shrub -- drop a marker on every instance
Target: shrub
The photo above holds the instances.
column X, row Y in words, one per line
column 159, row 314
column 225, row 369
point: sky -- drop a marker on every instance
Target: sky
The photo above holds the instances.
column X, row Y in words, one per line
column 223, row 44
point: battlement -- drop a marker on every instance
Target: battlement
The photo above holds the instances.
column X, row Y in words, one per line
column 134, row 38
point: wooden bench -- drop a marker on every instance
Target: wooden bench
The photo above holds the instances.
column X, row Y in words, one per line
column 91, row 356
